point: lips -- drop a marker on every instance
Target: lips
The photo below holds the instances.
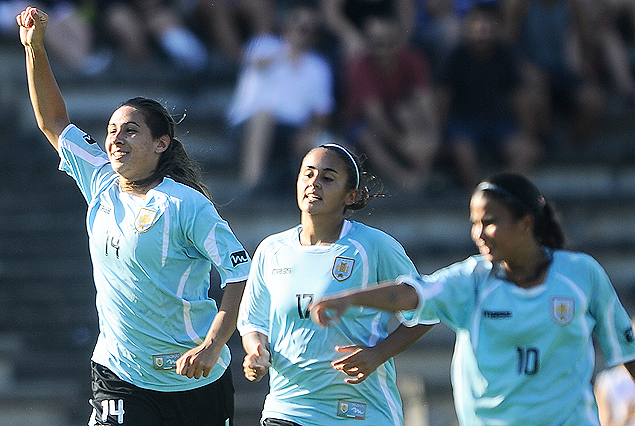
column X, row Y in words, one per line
column 118, row 154
column 312, row 197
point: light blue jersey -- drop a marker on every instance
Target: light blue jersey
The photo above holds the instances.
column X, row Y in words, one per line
column 285, row 277
column 152, row 260
column 526, row 356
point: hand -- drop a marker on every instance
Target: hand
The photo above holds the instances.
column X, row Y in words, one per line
column 32, row 24
column 256, row 364
column 360, row 364
column 328, row 310
column 198, row 362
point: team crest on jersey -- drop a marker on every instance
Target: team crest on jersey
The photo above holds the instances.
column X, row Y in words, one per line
column 342, row 268
column 562, row 310
column 145, row 219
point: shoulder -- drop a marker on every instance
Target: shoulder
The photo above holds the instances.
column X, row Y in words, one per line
column 278, row 239
column 564, row 259
column 476, row 267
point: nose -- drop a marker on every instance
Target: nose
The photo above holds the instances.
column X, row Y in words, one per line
column 477, row 232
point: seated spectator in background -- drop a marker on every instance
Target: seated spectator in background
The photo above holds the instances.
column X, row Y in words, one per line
column 390, row 107
column 477, row 91
column 614, row 30
column 554, row 38
column 136, row 25
column 68, row 27
column 346, row 18
column 229, row 24
column 283, row 100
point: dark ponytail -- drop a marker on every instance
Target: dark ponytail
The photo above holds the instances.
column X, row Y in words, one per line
column 522, row 197
column 174, row 161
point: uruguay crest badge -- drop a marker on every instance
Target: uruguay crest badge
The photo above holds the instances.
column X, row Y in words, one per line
column 145, row 219
column 342, row 268
column 562, row 310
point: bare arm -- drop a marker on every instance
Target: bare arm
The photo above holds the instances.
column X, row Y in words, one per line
column 363, row 361
column 48, row 104
column 391, row 297
column 257, row 361
column 200, row 360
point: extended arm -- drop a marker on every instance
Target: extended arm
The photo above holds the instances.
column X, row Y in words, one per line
column 200, row 360
column 48, row 104
column 389, row 297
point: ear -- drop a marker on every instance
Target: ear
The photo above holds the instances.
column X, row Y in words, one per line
column 528, row 223
column 162, row 144
column 351, row 197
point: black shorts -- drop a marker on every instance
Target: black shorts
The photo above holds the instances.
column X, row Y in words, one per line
column 116, row 402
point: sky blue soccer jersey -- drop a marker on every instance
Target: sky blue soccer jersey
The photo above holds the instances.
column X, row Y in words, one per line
column 285, row 277
column 526, row 356
column 152, row 260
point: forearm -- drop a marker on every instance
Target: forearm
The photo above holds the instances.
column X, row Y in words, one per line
column 401, row 339
column 48, row 104
column 224, row 323
column 389, row 297
column 251, row 342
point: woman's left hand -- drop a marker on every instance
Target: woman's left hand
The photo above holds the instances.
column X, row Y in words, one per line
column 198, row 362
column 361, row 362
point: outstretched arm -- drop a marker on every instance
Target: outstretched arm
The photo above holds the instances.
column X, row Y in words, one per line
column 199, row 361
column 362, row 361
column 389, row 297
column 48, row 104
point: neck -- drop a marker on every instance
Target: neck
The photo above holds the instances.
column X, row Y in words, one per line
column 318, row 231
column 139, row 188
column 531, row 272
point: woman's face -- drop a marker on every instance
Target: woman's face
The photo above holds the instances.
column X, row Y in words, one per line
column 132, row 151
column 497, row 234
column 322, row 184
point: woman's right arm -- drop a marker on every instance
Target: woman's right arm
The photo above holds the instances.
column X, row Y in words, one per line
column 257, row 361
column 390, row 297
column 48, row 104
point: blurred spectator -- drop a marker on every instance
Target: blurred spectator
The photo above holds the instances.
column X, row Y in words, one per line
column 614, row 25
column 68, row 26
column 554, row 36
column 437, row 29
column 390, row 107
column 136, row 25
column 478, row 89
column 346, row 19
column 229, row 24
column 283, row 100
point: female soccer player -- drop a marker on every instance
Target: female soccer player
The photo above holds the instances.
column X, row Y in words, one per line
column 154, row 236
column 524, row 311
column 325, row 254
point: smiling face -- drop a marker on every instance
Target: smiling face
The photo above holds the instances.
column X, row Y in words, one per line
column 133, row 152
column 497, row 234
column 322, row 186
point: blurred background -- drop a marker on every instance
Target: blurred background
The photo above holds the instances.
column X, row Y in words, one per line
column 434, row 94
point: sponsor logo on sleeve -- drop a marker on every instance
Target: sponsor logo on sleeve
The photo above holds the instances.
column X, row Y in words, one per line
column 238, row 257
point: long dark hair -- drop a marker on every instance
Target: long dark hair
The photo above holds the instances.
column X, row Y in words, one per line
column 366, row 183
column 174, row 161
column 522, row 197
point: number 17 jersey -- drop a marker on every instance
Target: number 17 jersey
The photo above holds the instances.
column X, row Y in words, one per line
column 285, row 278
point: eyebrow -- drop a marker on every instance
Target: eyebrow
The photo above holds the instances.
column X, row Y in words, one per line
column 127, row 122
column 328, row 169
